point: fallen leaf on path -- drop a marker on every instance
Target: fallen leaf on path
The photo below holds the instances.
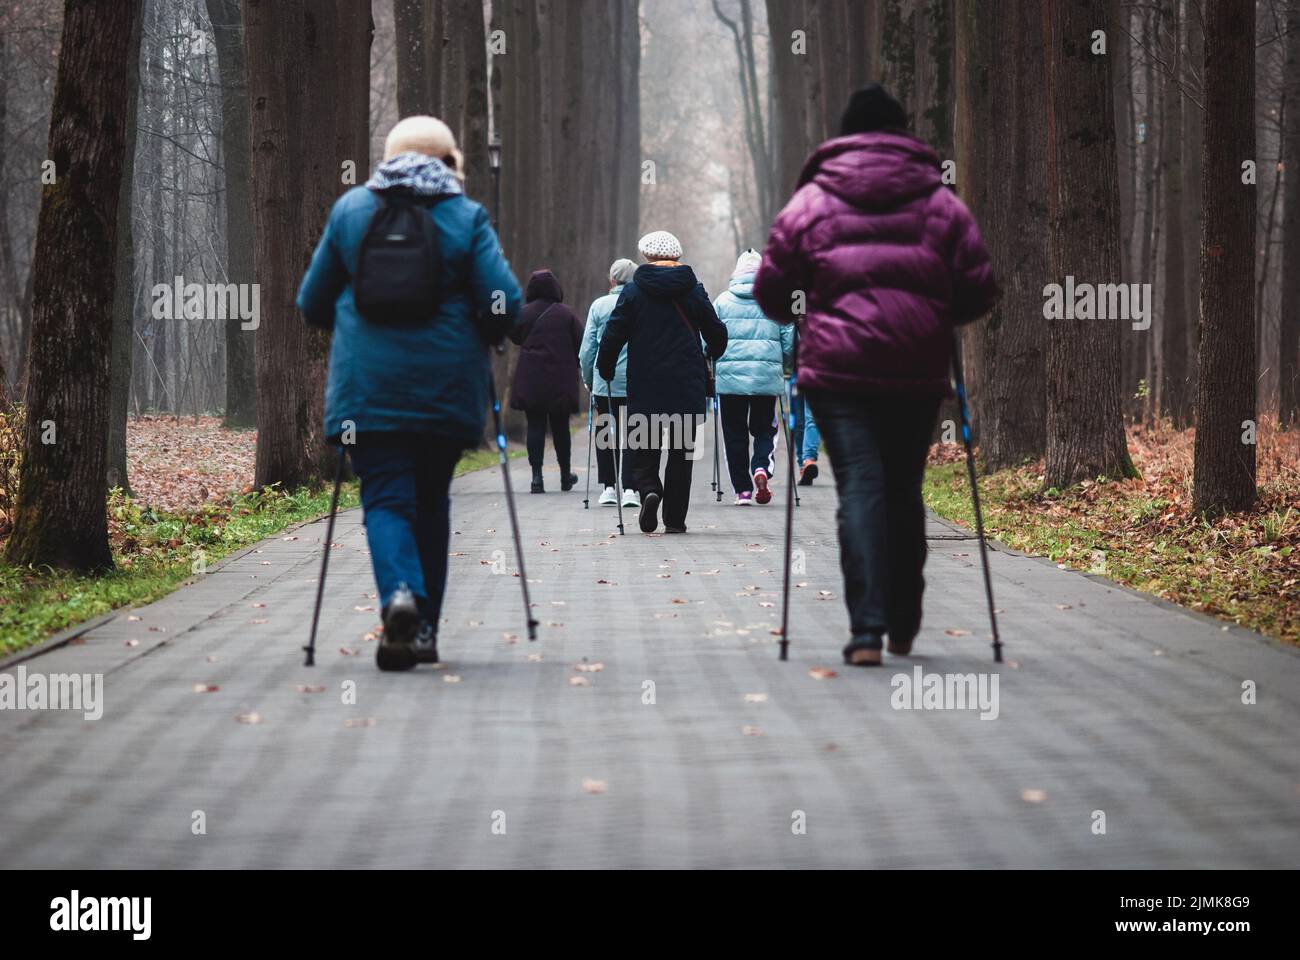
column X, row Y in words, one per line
column 206, row 688
column 212, row 659
column 767, row 603
column 257, row 605
column 680, row 600
column 1033, row 796
column 822, row 673
column 133, row 643
column 349, row 652
column 368, row 608
column 579, row 682
column 451, row 678
column 594, row 786
column 756, row 698
column 133, row 617
column 589, row 667
column 249, row 718
column 534, row 658
column 360, row 722
column 957, row 633
column 311, row 688
column 751, row 731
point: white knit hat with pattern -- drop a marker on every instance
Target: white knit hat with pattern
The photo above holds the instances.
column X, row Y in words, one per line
column 748, row 262
column 659, row 245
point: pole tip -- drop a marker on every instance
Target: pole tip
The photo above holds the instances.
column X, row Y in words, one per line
column 311, row 657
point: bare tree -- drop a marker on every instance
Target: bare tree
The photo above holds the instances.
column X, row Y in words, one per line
column 1289, row 373
column 1224, row 470
column 60, row 518
column 1085, row 431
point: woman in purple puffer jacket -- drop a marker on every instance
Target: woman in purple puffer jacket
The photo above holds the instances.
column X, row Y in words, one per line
column 877, row 261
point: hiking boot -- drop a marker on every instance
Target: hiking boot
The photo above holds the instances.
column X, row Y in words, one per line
column 631, row 498
column 761, row 493
column 649, row 512
column 900, row 647
column 537, row 486
column 567, row 480
column 609, row 498
column 674, row 528
column 745, row 499
column 808, row 473
column 863, row 651
column 401, row 616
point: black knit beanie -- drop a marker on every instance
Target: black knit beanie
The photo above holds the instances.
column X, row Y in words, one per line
column 872, row 108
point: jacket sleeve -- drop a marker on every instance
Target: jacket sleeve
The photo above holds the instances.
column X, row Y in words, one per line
column 325, row 279
column 713, row 330
column 784, row 270
column 787, row 343
column 590, row 344
column 617, row 331
column 974, row 288
column 493, row 287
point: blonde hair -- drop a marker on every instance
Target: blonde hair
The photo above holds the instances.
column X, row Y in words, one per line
column 426, row 135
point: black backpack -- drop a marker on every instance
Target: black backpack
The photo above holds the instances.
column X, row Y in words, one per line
column 399, row 277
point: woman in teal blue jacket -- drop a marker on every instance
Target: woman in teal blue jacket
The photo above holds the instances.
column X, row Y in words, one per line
column 407, row 399
column 750, row 377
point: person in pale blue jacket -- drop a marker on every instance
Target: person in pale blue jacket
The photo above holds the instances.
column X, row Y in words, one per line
column 407, row 398
column 609, row 399
column 750, row 376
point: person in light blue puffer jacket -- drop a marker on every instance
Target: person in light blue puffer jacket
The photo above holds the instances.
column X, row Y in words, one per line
column 607, row 396
column 750, row 376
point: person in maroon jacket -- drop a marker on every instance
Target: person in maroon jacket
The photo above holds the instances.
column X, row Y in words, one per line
column 877, row 262
column 546, row 380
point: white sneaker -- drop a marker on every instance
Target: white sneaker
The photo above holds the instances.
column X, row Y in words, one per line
column 609, row 498
column 631, row 498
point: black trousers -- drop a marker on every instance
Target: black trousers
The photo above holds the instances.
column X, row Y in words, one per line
column 878, row 446
column 558, row 422
column 607, row 440
column 742, row 418
column 678, row 454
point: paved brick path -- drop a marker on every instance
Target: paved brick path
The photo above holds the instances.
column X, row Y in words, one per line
column 1110, row 703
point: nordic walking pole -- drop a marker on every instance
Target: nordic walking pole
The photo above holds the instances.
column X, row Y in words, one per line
column 310, row 649
column 510, row 503
column 586, row 496
column 789, row 523
column 975, row 494
column 717, row 432
column 788, row 426
column 619, row 440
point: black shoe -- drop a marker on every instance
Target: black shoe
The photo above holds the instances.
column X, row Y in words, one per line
column 425, row 645
column 401, row 618
column 537, row 486
column 863, row 651
column 567, row 480
column 649, row 512
column 808, row 473
column 674, row 528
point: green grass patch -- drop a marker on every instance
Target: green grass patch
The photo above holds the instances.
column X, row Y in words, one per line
column 1243, row 568
column 155, row 552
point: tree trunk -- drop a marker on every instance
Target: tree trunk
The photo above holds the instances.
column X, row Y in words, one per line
column 308, row 86
column 1085, row 430
column 124, row 290
column 241, row 357
column 790, row 95
column 1175, row 402
column 1224, row 469
column 60, row 518
column 411, row 21
column 1193, row 216
column 473, row 138
column 1289, row 368
column 1002, row 173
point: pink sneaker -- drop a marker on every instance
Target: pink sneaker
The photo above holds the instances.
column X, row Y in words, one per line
column 762, row 494
column 744, row 499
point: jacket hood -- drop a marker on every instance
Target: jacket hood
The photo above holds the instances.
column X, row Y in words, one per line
column 664, row 283
column 874, row 171
column 417, row 173
column 742, row 284
column 543, row 285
